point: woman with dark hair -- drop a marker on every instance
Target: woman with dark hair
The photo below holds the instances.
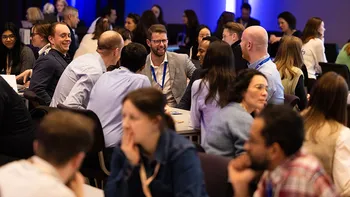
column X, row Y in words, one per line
column 289, row 61
column 190, row 20
column 125, row 33
column 15, row 57
column 89, row 42
column 313, row 48
column 152, row 159
column 131, row 21
column 224, row 18
column 327, row 136
column 209, row 93
column 158, row 12
column 230, row 127
column 287, row 23
column 202, row 32
column 140, row 33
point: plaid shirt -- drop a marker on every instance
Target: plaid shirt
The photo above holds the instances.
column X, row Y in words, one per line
column 300, row 176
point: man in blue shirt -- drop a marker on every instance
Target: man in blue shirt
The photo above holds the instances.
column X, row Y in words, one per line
column 107, row 94
column 254, row 49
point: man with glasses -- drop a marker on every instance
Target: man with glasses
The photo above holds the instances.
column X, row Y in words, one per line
column 49, row 68
column 166, row 70
column 74, row 87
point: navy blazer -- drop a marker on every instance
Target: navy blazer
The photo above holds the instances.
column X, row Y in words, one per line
column 180, row 172
column 46, row 73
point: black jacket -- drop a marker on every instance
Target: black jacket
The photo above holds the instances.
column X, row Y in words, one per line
column 240, row 63
column 46, row 73
column 251, row 22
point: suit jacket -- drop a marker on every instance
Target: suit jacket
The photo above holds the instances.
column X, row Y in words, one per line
column 251, row 22
column 180, row 68
column 73, row 44
column 240, row 63
column 46, row 73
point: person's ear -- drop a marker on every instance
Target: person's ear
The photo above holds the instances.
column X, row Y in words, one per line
column 275, row 151
column 35, row 146
column 148, row 42
column 50, row 39
column 77, row 160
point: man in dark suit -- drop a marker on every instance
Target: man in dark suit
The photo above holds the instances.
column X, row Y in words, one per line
column 71, row 18
column 232, row 35
column 49, row 68
column 245, row 19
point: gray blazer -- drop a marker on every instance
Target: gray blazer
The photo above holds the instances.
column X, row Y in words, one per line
column 180, row 68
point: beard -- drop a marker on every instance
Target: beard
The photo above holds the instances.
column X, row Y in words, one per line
column 155, row 51
column 258, row 164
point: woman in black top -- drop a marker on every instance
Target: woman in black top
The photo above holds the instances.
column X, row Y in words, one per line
column 140, row 33
column 225, row 17
column 190, row 19
column 158, row 11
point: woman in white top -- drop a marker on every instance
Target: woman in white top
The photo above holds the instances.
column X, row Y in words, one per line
column 326, row 134
column 313, row 48
column 89, row 42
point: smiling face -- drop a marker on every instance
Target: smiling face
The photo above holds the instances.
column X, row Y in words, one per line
column 8, row 39
column 61, row 39
column 158, row 44
column 202, row 50
column 202, row 34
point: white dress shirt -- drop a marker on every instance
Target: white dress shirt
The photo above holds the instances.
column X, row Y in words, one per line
column 313, row 52
column 29, row 178
column 77, row 80
column 341, row 162
column 159, row 70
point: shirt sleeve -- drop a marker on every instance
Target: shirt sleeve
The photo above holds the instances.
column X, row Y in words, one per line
column 188, row 179
column 78, row 97
column 195, row 105
column 271, row 86
column 320, row 52
column 341, row 163
column 27, row 59
column 190, row 68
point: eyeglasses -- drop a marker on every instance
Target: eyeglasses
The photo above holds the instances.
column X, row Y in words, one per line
column 157, row 42
column 33, row 34
column 11, row 37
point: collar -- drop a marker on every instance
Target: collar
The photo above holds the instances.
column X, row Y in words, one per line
column 162, row 149
column 254, row 64
column 165, row 59
column 236, row 43
column 281, row 172
column 44, row 167
column 65, row 57
column 102, row 63
column 45, row 49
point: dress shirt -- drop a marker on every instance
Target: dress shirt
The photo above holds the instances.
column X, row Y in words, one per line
column 299, row 175
column 74, row 87
column 275, row 87
column 202, row 113
column 106, row 100
column 45, row 49
column 87, row 45
column 33, row 177
column 228, row 131
column 180, row 172
column 167, row 83
column 313, row 52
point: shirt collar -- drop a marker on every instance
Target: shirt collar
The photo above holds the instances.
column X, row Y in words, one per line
column 102, row 63
column 165, row 59
column 45, row 167
column 254, row 64
column 45, row 49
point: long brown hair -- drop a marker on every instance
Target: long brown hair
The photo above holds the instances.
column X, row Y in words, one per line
column 219, row 61
column 311, row 29
column 102, row 25
column 289, row 55
column 328, row 103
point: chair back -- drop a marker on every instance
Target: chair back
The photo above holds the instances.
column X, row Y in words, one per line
column 340, row 69
column 216, row 175
column 99, row 141
column 290, row 99
column 331, row 51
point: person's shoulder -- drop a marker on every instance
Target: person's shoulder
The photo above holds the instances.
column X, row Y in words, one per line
column 306, row 165
column 178, row 144
column 178, row 56
column 196, row 84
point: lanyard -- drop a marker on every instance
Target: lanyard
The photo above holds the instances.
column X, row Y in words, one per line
column 164, row 73
column 261, row 63
column 147, row 181
column 269, row 190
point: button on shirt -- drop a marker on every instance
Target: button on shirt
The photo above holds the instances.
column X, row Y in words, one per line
column 106, row 100
column 159, row 70
column 74, row 87
column 275, row 89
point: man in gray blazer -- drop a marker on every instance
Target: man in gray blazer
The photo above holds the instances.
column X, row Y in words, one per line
column 167, row 71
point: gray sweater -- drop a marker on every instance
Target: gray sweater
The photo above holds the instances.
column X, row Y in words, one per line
column 228, row 131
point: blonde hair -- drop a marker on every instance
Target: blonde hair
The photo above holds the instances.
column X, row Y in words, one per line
column 347, row 49
column 34, row 15
column 62, row 1
column 289, row 55
column 49, row 8
column 235, row 28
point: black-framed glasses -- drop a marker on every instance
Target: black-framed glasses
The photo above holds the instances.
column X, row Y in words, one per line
column 32, row 34
column 11, row 37
column 157, row 42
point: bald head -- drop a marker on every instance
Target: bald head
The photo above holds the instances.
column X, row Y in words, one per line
column 258, row 36
column 110, row 40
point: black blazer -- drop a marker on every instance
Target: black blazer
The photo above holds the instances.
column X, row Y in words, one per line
column 73, row 45
column 251, row 22
column 240, row 63
column 46, row 73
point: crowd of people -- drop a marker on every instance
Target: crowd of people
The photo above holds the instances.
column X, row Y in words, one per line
column 128, row 78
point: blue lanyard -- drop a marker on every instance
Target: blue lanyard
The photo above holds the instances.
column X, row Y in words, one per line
column 269, row 190
column 261, row 63
column 164, row 73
